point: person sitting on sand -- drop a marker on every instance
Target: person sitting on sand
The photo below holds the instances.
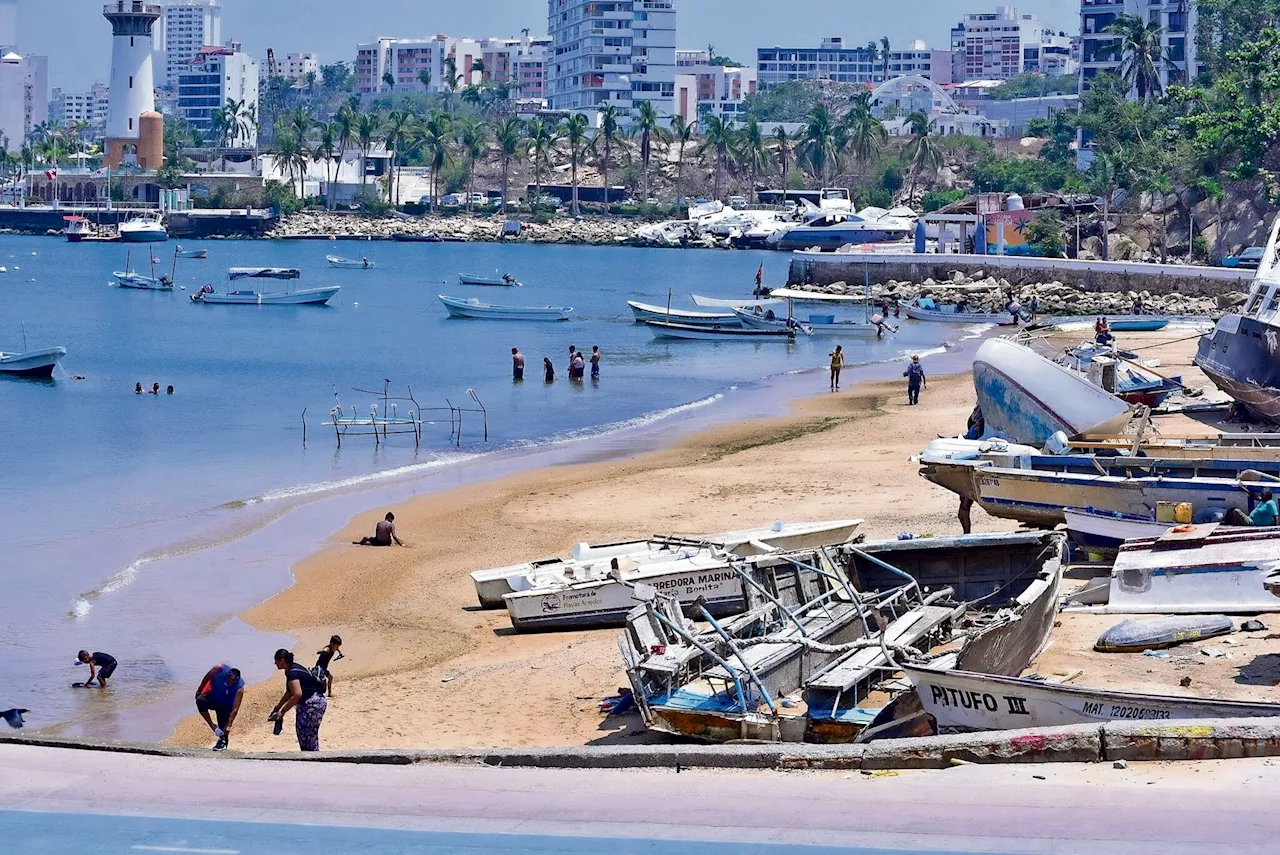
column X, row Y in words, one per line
column 384, row 535
column 331, row 652
column 101, row 666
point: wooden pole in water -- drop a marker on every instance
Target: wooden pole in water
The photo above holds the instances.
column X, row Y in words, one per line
column 304, row 427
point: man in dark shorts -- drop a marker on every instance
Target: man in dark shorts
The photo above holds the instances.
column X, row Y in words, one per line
column 101, row 666
column 517, row 364
column 384, row 534
column 220, row 692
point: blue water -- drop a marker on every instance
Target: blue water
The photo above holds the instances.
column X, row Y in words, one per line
column 110, row 501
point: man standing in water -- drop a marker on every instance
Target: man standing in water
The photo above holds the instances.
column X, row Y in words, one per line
column 221, row 691
column 517, row 364
column 915, row 379
column 595, row 362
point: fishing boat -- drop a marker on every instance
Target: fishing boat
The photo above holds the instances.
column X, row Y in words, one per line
column 1120, row 373
column 1019, row 482
column 1240, row 355
column 688, row 332
column 83, row 230
column 144, row 227
column 31, row 363
column 1027, row 398
column 1137, row 323
column 965, row 700
column 929, row 309
column 744, row 303
column 599, row 592
column 131, row 279
column 1227, row 446
column 190, row 253
column 1135, row 636
column 647, row 312
column 493, row 584
column 254, row 297
column 429, row 237
column 350, row 263
column 1104, row 532
column 505, row 280
column 813, row 323
column 470, row 307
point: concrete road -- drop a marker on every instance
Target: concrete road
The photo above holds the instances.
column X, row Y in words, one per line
column 66, row 801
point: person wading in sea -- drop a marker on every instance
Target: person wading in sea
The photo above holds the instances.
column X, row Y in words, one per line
column 517, row 364
column 101, row 666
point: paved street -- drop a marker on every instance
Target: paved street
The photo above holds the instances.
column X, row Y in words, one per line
column 64, row 801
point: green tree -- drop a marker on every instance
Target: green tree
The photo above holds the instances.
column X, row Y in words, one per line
column 608, row 135
column 786, row 102
column 367, row 127
column 509, row 134
column 435, row 135
column 1224, row 26
column 424, row 77
column 544, row 142
column 782, row 148
column 1104, row 179
column 864, row 133
column 648, row 126
column 336, row 77
column 1142, row 56
column 884, row 56
column 719, row 139
column 822, row 143
column 398, row 129
column 575, row 134
column 923, row 151
column 753, row 152
column 473, row 143
column 1044, row 235
column 682, row 134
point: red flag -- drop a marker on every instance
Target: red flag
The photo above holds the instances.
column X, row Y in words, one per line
column 51, row 173
column 760, row 275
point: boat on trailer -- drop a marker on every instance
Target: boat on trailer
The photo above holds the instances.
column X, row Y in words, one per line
column 506, row 280
column 350, row 263
column 254, row 297
column 35, row 364
column 471, row 308
column 646, row 312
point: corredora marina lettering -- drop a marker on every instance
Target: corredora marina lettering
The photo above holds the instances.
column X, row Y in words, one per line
column 970, row 700
column 700, row 579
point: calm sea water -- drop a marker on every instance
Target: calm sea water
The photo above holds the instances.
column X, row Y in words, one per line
column 140, row 525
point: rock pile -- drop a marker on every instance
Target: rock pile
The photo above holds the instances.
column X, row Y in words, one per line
column 587, row 230
column 1055, row 298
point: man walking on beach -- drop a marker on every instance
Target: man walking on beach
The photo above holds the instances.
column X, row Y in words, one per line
column 915, row 379
column 220, row 691
column 384, row 534
column 517, row 364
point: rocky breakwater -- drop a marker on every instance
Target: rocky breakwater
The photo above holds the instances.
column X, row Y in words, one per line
column 592, row 231
column 1054, row 297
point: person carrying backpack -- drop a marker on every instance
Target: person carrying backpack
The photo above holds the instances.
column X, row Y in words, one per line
column 915, row 379
column 305, row 693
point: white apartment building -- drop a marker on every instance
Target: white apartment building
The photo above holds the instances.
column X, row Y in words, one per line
column 185, row 28
column 496, row 60
column 833, row 60
column 296, row 66
column 24, row 96
column 712, row 90
column 519, row 63
column 214, row 76
column 692, row 58
column 611, row 52
column 1176, row 17
column 998, row 45
column 88, row 106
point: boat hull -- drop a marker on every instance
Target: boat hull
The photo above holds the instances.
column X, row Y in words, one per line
column 744, row 303
column 306, row 297
column 148, row 235
column 1104, row 533
column 963, row 700
column 487, row 281
column 1153, row 325
column 32, row 364
column 1241, row 357
column 851, row 329
column 834, row 237
column 141, row 283
column 465, row 309
column 916, row 313
column 661, row 330
column 349, row 264
column 645, row 312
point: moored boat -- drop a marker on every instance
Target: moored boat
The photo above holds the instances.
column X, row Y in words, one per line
column 688, row 332
column 1104, row 532
column 83, row 230
column 647, row 312
column 145, row 227
column 190, row 253
column 350, row 263
column 929, row 309
column 138, row 282
column 1137, row 323
column 505, row 280
column 744, row 303
column 813, row 323
column 37, row 364
column 470, row 307
column 254, row 297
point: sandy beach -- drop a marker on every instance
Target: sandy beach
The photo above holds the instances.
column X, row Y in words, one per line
column 426, row 667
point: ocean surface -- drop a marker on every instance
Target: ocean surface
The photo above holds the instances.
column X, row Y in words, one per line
column 141, row 525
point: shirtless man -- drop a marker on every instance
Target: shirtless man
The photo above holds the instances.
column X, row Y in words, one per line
column 517, row 364
column 384, row 535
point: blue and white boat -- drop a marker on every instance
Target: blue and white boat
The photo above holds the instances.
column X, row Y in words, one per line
column 144, row 227
column 132, row 279
column 471, row 308
column 254, row 297
column 832, row 230
column 813, row 323
column 506, row 280
column 646, row 312
column 702, row 332
column 929, row 309
column 350, row 263
column 190, row 253
column 1105, row 531
column 38, row 364
column 1110, row 368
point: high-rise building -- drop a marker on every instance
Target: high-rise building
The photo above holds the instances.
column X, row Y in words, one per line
column 295, row 66
column 833, row 60
column 712, row 90
column 475, row 61
column 24, row 96
column 215, row 76
column 1099, row 51
column 998, row 45
column 611, row 52
column 187, row 26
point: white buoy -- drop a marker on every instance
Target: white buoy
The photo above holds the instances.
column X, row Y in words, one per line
column 357, row 305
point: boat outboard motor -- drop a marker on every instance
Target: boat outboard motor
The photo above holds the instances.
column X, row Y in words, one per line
column 1057, row 443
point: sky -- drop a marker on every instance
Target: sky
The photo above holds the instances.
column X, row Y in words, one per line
column 77, row 39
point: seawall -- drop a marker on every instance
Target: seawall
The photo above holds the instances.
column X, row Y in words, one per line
column 185, row 224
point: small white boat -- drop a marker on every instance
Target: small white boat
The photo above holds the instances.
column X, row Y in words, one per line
column 136, row 281
column 31, row 363
column 505, row 280
column 964, row 700
column 1105, row 531
column 83, row 230
column 254, row 297
column 190, row 253
column 744, row 303
column 688, row 332
column 929, row 309
column 146, row 227
column 350, row 263
column 647, row 312
column 814, row 324
column 470, row 307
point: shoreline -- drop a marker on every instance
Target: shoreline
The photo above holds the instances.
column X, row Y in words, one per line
column 425, row 650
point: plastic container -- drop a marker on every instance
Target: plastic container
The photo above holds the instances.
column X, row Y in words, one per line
column 822, row 319
column 1182, row 512
column 1164, row 512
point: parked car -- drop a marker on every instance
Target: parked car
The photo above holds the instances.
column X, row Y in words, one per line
column 1250, row 258
column 478, row 199
column 737, row 202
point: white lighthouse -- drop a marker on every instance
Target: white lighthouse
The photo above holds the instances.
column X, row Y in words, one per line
column 132, row 84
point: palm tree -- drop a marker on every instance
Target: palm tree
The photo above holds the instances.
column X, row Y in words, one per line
column 300, row 122
column 544, row 139
column 1141, row 54
column 1102, row 179
column 884, row 55
column 325, row 149
column 752, row 150
column 575, row 134
column 477, row 67
column 682, row 133
column 389, row 81
column 648, row 126
column 718, row 137
column 424, row 77
column 822, row 142
column 451, row 80
column 782, row 150
column 398, row 128
column 508, row 134
column 287, row 149
column 473, row 139
column 923, row 151
column 434, row 135
column 367, row 126
column 344, row 121
column 863, row 132
column 607, row 136
column 873, row 53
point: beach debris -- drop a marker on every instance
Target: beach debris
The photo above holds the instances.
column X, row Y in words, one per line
column 449, row 678
column 1155, row 654
column 1214, row 653
column 1184, row 682
column 1130, row 635
column 619, row 703
column 14, row 717
column 1252, row 626
column 1230, row 641
column 1120, row 764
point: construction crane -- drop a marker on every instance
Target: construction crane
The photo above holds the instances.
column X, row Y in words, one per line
column 271, row 63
